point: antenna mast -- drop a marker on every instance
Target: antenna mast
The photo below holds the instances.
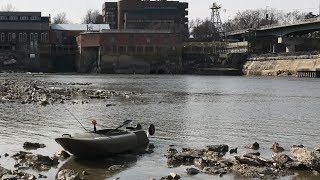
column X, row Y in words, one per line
column 216, row 19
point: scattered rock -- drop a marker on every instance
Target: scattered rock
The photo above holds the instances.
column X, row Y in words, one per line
column 254, row 146
column 116, row 167
column 68, row 174
column 192, row 171
column 109, row 105
column 4, row 171
column 281, row 159
column 248, row 161
column 40, row 176
column 151, row 146
column 29, row 177
column 171, row 176
column 43, row 102
column 6, row 155
column 9, row 177
column 85, row 173
column 37, row 162
column 298, row 146
column 62, row 155
column 277, row 148
column 235, row 150
column 33, row 146
column 223, row 148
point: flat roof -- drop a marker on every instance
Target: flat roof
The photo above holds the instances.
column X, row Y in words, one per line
column 80, row 27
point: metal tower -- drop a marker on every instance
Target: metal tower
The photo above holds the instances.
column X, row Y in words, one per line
column 215, row 18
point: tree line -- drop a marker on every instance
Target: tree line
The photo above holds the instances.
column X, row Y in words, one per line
column 91, row 17
column 204, row 30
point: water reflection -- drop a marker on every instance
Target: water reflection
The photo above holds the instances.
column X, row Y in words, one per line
column 100, row 168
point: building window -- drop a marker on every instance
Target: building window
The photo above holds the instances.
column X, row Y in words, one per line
column 24, row 37
column 13, row 36
column 20, row 37
column 46, row 37
column 31, row 37
column 23, row 18
column 2, row 37
column 33, row 18
column 35, row 36
column 9, row 37
column 3, row 17
column 42, row 37
column 13, row 18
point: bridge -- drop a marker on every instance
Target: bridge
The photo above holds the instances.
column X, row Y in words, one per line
column 280, row 37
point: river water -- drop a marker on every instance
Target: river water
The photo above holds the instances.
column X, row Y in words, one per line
column 188, row 111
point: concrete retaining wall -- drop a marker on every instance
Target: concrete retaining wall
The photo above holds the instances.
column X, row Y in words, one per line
column 280, row 67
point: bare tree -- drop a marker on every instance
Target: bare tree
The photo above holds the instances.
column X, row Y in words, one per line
column 60, row 18
column 92, row 17
column 8, row 8
column 204, row 31
column 292, row 17
column 252, row 19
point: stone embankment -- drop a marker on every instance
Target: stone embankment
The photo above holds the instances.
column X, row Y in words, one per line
column 281, row 66
column 251, row 165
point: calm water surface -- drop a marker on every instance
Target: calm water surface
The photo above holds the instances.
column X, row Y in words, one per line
column 188, row 111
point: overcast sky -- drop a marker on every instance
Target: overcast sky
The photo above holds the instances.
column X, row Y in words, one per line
column 76, row 9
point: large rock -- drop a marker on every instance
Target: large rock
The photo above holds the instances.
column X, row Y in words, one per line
column 307, row 157
column 281, row 159
column 33, row 146
column 62, row 155
column 223, row 148
column 254, row 146
column 277, row 148
column 68, row 174
column 9, row 177
column 248, row 161
column 193, row 171
column 4, row 171
column 38, row 162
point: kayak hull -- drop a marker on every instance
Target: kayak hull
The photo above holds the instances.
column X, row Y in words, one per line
column 92, row 144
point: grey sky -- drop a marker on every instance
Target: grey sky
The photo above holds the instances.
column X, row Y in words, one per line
column 76, row 9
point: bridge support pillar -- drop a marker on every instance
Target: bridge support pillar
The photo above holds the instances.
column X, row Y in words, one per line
column 290, row 48
column 290, row 43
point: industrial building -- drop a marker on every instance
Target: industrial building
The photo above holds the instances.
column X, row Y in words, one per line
column 140, row 14
column 129, row 51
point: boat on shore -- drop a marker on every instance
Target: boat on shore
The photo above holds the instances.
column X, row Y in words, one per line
column 106, row 142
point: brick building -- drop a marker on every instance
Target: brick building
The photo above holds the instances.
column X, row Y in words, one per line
column 24, row 31
column 24, row 38
column 148, row 50
column 139, row 14
column 64, row 48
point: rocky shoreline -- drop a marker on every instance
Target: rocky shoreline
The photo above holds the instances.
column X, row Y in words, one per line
column 210, row 160
column 250, row 165
column 44, row 93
